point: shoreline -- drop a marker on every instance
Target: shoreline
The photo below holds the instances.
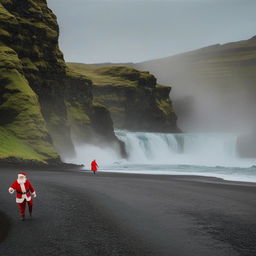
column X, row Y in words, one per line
column 40, row 166
column 79, row 168
column 71, row 166
column 182, row 175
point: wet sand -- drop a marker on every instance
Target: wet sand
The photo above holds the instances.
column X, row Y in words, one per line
column 77, row 213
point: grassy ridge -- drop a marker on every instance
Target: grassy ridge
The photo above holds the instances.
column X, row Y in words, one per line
column 101, row 76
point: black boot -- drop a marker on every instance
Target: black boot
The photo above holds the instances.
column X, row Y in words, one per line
column 22, row 218
column 30, row 213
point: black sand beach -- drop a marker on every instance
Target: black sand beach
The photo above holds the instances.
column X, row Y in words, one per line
column 76, row 213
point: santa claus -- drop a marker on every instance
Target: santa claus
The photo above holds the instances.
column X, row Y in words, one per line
column 23, row 187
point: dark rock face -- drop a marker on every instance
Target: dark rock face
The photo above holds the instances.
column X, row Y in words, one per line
column 103, row 127
column 7, row 116
column 102, row 122
column 61, row 100
column 139, row 108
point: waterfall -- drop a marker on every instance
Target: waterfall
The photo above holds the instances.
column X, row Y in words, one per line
column 145, row 148
column 180, row 149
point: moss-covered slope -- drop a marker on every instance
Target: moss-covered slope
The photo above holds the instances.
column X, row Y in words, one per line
column 136, row 102
column 23, row 130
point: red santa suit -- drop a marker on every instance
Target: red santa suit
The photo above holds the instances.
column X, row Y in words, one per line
column 94, row 166
column 23, row 187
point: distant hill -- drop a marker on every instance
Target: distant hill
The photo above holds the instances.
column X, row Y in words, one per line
column 214, row 88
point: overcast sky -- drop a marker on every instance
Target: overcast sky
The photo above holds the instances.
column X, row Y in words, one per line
column 94, row 31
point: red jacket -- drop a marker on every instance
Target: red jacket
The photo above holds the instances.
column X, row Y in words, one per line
column 22, row 191
column 94, row 166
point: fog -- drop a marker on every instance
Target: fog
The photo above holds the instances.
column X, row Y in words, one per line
column 206, row 100
column 160, row 149
column 207, row 109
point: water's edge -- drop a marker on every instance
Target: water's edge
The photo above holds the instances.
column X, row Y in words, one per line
column 212, row 155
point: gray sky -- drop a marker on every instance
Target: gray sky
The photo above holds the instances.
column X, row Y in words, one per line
column 138, row 30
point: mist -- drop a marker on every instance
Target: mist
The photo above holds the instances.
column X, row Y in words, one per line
column 149, row 151
column 201, row 109
column 208, row 97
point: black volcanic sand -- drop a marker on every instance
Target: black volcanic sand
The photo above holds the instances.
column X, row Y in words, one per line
column 4, row 226
column 77, row 213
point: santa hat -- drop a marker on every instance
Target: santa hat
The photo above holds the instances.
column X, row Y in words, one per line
column 22, row 174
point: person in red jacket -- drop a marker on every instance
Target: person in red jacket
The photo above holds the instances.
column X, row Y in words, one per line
column 23, row 187
column 94, row 166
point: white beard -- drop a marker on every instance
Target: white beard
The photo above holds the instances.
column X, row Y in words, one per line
column 21, row 181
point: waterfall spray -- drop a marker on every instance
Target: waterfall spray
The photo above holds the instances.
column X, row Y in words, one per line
column 162, row 153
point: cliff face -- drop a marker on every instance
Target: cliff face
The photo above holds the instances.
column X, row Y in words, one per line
column 43, row 105
column 22, row 125
column 135, row 101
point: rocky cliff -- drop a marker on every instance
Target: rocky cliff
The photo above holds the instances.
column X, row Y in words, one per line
column 44, row 106
column 135, row 101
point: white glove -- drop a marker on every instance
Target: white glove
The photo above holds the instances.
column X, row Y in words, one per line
column 11, row 190
column 34, row 194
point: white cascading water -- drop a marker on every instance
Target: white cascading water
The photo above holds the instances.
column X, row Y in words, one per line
column 161, row 153
column 184, row 149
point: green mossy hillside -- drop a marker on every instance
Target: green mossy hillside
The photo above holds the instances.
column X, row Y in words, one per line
column 114, row 75
column 13, row 147
column 23, row 50
column 20, row 114
column 98, row 76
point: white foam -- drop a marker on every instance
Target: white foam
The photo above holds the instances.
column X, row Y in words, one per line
column 183, row 149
